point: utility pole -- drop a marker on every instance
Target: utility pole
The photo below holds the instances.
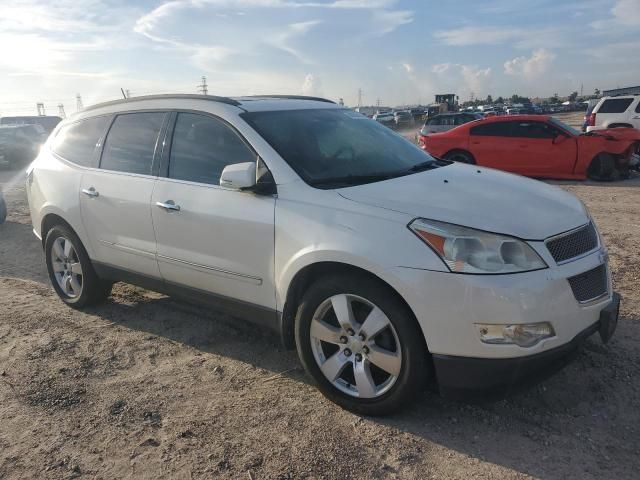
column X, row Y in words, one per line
column 61, row 113
column 78, row 102
column 202, row 88
column 40, row 107
column 581, row 88
column 359, row 97
column 378, row 102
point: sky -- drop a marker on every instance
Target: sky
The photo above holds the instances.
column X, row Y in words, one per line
column 394, row 51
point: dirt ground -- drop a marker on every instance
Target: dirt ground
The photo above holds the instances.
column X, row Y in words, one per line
column 148, row 387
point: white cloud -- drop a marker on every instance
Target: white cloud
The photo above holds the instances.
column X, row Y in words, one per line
column 441, row 68
column 408, row 67
column 627, row 12
column 477, row 35
column 530, row 67
column 282, row 40
column 476, row 79
column 312, row 86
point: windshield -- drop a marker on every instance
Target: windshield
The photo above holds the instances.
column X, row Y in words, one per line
column 564, row 126
column 332, row 148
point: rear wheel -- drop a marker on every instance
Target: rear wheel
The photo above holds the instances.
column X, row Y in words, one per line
column 361, row 344
column 460, row 156
column 70, row 269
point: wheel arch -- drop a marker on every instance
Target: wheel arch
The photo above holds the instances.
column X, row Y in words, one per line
column 49, row 221
column 309, row 273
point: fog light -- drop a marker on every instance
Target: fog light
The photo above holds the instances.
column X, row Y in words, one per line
column 523, row 335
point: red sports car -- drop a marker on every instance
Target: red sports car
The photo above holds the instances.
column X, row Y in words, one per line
column 538, row 146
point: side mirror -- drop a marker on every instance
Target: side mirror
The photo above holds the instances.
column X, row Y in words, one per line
column 239, row 176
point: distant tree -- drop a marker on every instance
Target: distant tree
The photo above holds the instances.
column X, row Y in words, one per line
column 596, row 92
column 515, row 98
column 573, row 96
column 489, row 99
column 556, row 99
column 500, row 100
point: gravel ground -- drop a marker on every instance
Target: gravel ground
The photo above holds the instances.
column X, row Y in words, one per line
column 148, row 387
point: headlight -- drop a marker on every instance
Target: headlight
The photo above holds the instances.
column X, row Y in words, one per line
column 466, row 250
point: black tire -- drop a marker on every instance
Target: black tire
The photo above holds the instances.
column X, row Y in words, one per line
column 460, row 156
column 93, row 288
column 414, row 371
column 603, row 167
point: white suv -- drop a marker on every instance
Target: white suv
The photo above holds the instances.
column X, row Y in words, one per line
column 615, row 112
column 385, row 267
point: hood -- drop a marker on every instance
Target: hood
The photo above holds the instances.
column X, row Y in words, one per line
column 477, row 197
column 630, row 134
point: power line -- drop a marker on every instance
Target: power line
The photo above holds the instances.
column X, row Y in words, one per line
column 202, row 88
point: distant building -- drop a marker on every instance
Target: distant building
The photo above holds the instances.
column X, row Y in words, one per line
column 621, row 91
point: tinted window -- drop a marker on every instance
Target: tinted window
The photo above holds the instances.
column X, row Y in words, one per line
column 201, row 148
column 533, row 130
column 77, row 142
column 615, row 105
column 334, row 148
column 638, row 108
column 131, row 142
column 493, row 129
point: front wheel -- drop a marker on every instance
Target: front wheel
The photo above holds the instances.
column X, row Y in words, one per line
column 361, row 344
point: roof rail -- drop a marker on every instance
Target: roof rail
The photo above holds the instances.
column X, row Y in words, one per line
column 294, row 97
column 190, row 96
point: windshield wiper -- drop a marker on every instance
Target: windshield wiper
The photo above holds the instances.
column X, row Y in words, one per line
column 421, row 167
column 350, row 180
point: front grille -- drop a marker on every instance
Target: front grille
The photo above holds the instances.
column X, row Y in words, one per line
column 573, row 244
column 590, row 285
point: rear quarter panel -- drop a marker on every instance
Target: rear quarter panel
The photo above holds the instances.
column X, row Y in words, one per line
column 439, row 144
column 53, row 187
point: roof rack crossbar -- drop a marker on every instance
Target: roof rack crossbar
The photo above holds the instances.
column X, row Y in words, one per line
column 294, row 97
column 192, row 96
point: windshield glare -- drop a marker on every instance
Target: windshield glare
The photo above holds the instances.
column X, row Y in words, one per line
column 327, row 145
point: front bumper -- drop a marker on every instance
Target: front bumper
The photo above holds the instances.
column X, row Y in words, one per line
column 489, row 378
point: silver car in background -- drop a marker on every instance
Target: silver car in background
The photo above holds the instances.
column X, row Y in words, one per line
column 447, row 121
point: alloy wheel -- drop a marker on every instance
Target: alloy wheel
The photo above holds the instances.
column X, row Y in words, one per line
column 66, row 266
column 356, row 346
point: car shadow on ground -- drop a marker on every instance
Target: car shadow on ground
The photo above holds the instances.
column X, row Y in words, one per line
column 516, row 433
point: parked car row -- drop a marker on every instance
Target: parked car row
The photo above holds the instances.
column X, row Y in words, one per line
column 385, row 267
column 19, row 144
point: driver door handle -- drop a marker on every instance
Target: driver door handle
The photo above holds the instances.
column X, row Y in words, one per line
column 90, row 192
column 169, row 205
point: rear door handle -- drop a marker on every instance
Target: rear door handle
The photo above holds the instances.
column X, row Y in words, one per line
column 169, row 205
column 90, row 192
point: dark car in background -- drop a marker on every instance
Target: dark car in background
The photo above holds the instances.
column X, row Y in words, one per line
column 447, row 121
column 47, row 122
column 403, row 118
column 20, row 144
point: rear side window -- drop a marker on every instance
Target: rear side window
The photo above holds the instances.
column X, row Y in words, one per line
column 77, row 142
column 638, row 107
column 493, row 129
column 131, row 142
column 615, row 105
column 202, row 146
